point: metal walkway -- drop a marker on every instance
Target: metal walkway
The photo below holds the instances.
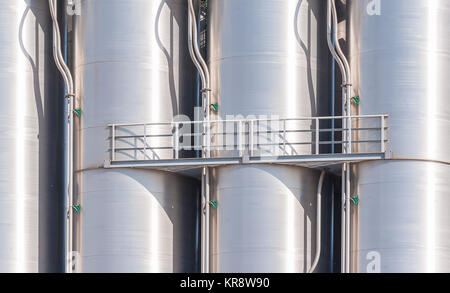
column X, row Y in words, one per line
column 174, row 146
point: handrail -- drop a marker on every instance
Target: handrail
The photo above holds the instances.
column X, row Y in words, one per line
column 249, row 120
column 245, row 136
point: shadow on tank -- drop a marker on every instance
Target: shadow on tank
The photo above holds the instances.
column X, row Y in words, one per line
column 49, row 102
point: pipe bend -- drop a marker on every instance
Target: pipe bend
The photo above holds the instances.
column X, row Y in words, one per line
column 192, row 51
column 331, row 47
column 338, row 46
column 318, row 222
column 198, row 55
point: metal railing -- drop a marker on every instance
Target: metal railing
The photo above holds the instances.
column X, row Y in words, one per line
column 247, row 137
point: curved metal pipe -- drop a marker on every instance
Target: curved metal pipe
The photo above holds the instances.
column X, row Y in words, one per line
column 206, row 81
column 195, row 44
column 331, row 46
column 348, row 86
column 202, row 67
column 68, row 80
column 192, row 52
column 348, row 83
column 332, row 22
column 343, row 220
column 338, row 46
column 59, row 59
column 318, row 222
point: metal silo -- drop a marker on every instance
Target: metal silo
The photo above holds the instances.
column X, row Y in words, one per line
column 31, row 144
column 267, row 57
column 400, row 55
column 132, row 67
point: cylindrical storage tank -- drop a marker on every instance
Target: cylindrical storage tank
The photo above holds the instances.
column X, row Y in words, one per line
column 132, row 66
column 267, row 58
column 400, row 57
column 31, row 145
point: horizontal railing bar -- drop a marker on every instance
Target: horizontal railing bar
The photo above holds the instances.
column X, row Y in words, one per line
column 215, row 146
column 253, row 120
column 142, row 148
column 246, row 133
column 141, row 136
column 283, row 159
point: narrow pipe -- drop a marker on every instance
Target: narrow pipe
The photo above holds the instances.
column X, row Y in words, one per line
column 318, row 222
column 197, row 93
column 68, row 80
column 347, row 219
column 348, row 83
column 337, row 45
column 206, row 87
column 333, row 100
column 203, row 197
column 330, row 42
column 195, row 43
column 349, row 139
column 192, row 52
column 200, row 219
column 205, row 77
column 333, row 44
column 203, row 223
column 332, row 230
column 207, row 199
column 343, row 227
column 333, row 149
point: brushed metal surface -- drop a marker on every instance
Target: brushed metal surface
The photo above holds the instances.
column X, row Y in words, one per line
column 402, row 224
column 267, row 57
column 401, row 60
column 31, row 201
column 132, row 66
column 265, row 220
column 137, row 221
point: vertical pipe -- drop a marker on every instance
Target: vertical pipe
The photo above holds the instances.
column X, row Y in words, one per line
column 198, row 91
column 68, row 80
column 333, row 149
column 333, row 44
column 66, row 137
column 343, row 217
column 204, row 74
column 333, row 99
column 347, row 219
column 203, row 224
column 348, row 88
column 332, row 230
column 318, row 222
column 207, row 199
column 70, row 186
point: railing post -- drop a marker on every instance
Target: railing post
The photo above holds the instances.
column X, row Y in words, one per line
column 208, row 139
column 383, row 146
column 317, row 136
column 177, row 139
column 145, row 141
column 350, row 147
column 240, row 138
column 250, row 138
column 113, row 140
column 284, row 137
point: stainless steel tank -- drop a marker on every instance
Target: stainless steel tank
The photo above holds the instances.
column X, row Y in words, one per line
column 132, row 66
column 31, row 145
column 267, row 57
column 400, row 57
